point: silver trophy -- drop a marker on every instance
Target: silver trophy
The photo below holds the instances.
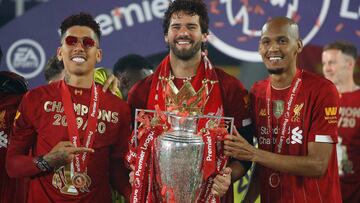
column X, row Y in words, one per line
column 178, row 160
column 178, row 156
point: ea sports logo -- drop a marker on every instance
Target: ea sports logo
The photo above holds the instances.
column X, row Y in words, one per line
column 235, row 26
column 26, row 57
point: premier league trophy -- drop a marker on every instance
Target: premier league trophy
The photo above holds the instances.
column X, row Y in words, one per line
column 174, row 159
column 178, row 159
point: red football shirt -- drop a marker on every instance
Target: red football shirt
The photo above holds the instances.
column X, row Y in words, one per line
column 349, row 146
column 41, row 124
column 11, row 189
column 234, row 97
column 313, row 119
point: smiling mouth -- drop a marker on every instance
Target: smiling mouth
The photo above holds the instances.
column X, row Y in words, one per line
column 181, row 43
column 275, row 58
column 78, row 59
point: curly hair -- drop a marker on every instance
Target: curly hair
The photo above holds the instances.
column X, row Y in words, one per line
column 345, row 47
column 190, row 7
column 81, row 19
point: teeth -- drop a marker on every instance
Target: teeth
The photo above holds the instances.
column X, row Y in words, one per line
column 78, row 59
column 274, row 58
column 181, row 43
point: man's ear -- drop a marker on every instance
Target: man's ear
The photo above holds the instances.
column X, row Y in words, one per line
column 59, row 54
column 204, row 37
column 350, row 62
column 300, row 46
column 99, row 55
column 166, row 38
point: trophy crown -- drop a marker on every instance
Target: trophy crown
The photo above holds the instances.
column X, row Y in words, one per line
column 186, row 100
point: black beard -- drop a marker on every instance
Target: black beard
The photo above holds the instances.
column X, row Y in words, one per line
column 185, row 54
column 276, row 71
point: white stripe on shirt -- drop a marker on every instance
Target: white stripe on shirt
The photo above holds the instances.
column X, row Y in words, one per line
column 324, row 138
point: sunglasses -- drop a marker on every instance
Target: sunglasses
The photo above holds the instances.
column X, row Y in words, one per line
column 86, row 42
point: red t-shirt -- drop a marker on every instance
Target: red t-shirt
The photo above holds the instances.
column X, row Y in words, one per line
column 11, row 189
column 234, row 97
column 313, row 119
column 349, row 146
column 41, row 124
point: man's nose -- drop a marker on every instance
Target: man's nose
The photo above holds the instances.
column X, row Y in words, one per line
column 274, row 46
column 184, row 31
column 327, row 68
column 79, row 45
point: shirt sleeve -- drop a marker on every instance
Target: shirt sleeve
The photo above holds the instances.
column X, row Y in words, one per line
column 18, row 161
column 138, row 95
column 119, row 173
column 255, row 93
column 323, row 127
column 236, row 100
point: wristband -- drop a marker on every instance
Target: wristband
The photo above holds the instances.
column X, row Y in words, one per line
column 42, row 164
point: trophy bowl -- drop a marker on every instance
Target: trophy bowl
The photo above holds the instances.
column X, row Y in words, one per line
column 178, row 161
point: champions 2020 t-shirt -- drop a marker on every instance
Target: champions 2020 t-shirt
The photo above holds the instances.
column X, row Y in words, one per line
column 41, row 123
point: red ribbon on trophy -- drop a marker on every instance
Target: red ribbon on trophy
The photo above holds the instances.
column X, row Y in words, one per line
column 142, row 166
column 141, row 155
column 213, row 161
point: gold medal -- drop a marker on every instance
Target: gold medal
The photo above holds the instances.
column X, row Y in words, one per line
column 274, row 180
column 79, row 180
column 62, row 181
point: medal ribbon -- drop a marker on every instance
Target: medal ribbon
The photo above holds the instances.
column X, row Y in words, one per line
column 80, row 160
column 284, row 120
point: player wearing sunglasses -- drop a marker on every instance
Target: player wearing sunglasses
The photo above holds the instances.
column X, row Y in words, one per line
column 76, row 132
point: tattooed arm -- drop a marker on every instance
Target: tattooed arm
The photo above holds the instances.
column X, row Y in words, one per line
column 24, row 137
column 62, row 154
